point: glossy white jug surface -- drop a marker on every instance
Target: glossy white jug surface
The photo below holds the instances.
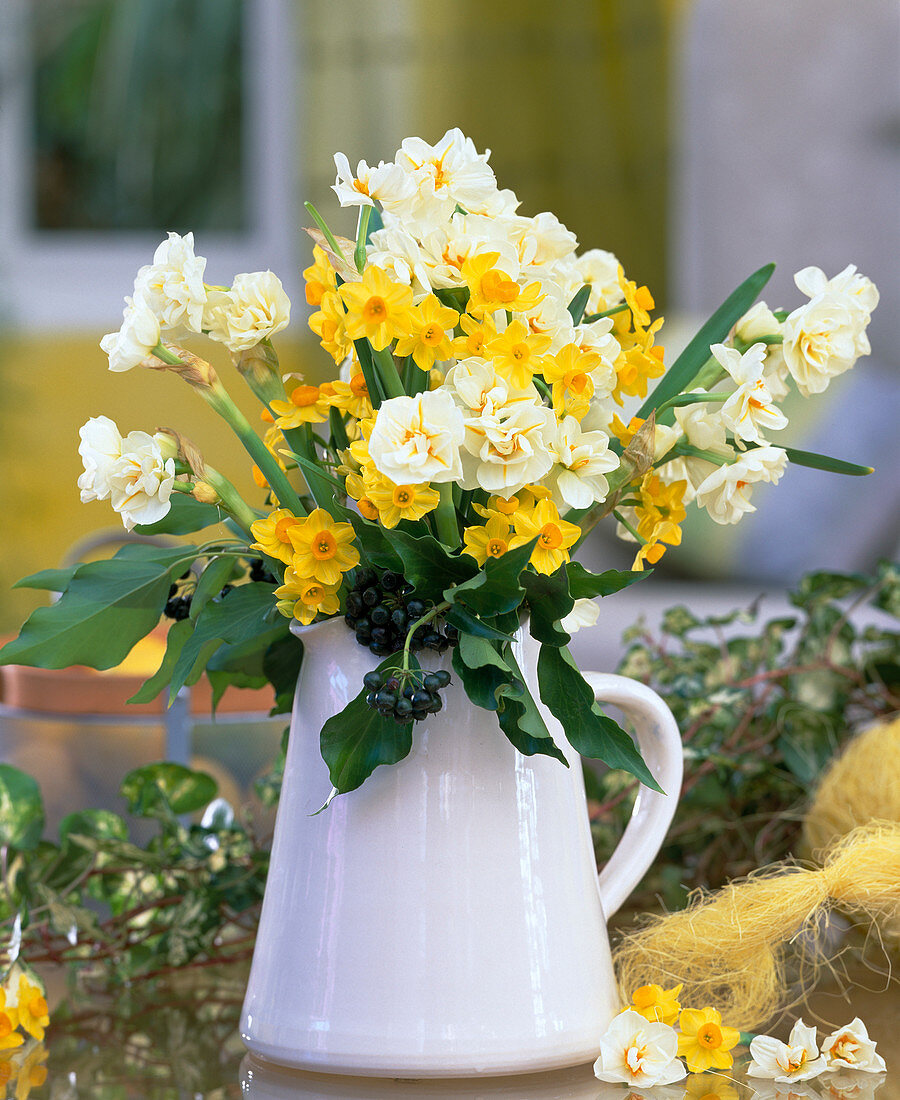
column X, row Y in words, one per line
column 445, row 919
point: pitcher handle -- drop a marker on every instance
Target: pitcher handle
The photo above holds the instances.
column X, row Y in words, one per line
column 660, row 744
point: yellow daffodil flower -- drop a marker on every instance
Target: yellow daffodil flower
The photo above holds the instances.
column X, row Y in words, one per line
column 320, row 278
column 271, row 534
column 491, row 289
column 9, row 1021
column 330, row 325
column 377, row 308
column 570, row 374
column 350, row 397
column 489, row 541
column 32, row 1008
column 306, row 405
column 432, row 327
column 518, row 354
column 554, row 536
column 302, row 598
column 396, row 502
column 322, row 548
column 659, row 516
column 705, row 1043
column 639, row 299
column 477, row 333
column 656, row 1004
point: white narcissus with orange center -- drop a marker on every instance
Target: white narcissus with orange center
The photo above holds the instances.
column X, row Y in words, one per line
column 635, row 1051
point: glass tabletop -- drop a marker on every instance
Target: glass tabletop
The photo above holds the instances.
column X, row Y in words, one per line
column 181, row 1042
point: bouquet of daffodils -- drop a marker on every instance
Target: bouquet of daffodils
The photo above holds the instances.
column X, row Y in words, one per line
column 434, row 492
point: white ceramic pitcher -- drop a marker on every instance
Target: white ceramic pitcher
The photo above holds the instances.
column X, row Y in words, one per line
column 445, row 919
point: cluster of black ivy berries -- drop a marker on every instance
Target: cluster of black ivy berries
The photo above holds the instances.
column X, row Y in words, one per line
column 405, row 694
column 178, row 605
column 382, row 607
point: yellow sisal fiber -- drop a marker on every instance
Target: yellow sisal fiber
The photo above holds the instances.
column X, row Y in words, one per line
column 728, row 947
column 862, row 785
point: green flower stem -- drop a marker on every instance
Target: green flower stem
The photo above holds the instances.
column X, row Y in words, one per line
column 232, row 501
column 445, row 517
column 709, row 375
column 259, row 368
column 362, row 232
column 631, row 530
column 388, row 375
column 683, row 399
column 218, row 399
column 426, row 618
column 326, row 232
column 742, row 345
column 685, row 450
column 162, row 353
column 605, row 313
column 183, row 487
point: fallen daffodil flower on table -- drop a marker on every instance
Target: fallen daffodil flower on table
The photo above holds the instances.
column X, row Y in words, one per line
column 851, row 1048
column 705, row 1042
column 637, row 1052
column 796, row 1060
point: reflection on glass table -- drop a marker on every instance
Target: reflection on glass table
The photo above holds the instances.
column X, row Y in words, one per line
column 180, row 1041
column 266, row 1082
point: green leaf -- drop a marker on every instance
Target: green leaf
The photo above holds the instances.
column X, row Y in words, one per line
column 185, row 515
column 494, row 589
column 585, row 585
column 467, row 622
column 825, row 462
column 281, row 665
column 486, row 677
column 99, row 824
column 367, row 366
column 241, row 616
column 155, row 789
column 51, row 580
column 356, row 741
column 579, row 303
column 683, row 371
column 549, row 601
column 21, row 809
column 516, row 720
column 322, row 485
column 107, row 607
column 218, row 572
column 374, row 541
column 179, row 632
column 428, row 566
column 590, row 732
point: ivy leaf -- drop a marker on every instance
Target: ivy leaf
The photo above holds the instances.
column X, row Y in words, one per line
column 585, row 585
column 106, row 608
column 179, row 632
column 50, row 580
column 215, row 576
column 158, row 790
column 374, row 540
column 358, row 739
column 243, row 615
column 494, row 589
column 517, row 720
column 482, row 670
column 281, row 666
column 590, row 732
column 21, row 809
column 428, row 566
column 185, row 516
column 466, row 622
column 549, row 601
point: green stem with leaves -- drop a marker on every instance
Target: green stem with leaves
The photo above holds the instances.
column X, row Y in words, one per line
column 438, row 609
